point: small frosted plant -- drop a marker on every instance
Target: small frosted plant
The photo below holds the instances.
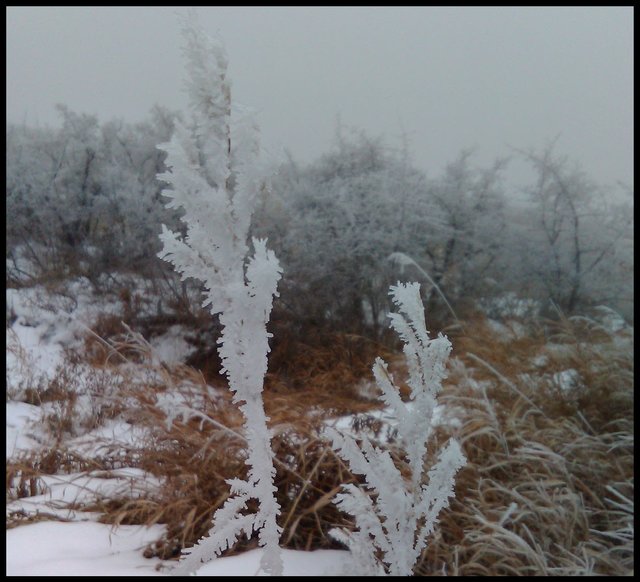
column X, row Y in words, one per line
column 392, row 531
column 214, row 178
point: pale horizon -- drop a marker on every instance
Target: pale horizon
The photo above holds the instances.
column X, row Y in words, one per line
column 448, row 78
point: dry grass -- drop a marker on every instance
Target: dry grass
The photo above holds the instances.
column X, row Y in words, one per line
column 196, row 456
column 548, row 488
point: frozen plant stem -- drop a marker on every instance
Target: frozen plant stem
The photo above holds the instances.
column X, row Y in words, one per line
column 397, row 524
column 215, row 179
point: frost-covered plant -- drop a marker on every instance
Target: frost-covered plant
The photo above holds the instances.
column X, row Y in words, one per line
column 393, row 529
column 215, row 180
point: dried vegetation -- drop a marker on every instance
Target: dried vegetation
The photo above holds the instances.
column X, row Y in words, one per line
column 545, row 419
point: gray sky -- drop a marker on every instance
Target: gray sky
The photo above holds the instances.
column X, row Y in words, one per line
column 450, row 77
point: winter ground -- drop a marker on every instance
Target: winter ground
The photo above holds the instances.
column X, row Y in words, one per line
column 58, row 531
column 59, row 538
column 86, row 548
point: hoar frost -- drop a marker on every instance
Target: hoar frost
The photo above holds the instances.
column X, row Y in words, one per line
column 405, row 513
column 215, row 179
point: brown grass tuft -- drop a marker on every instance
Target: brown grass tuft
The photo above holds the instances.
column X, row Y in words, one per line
column 548, row 487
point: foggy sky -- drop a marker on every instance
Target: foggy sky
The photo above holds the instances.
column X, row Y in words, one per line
column 447, row 77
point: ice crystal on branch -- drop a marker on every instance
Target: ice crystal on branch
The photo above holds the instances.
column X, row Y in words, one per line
column 405, row 512
column 214, row 177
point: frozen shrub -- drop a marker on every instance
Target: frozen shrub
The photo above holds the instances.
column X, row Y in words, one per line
column 215, row 180
column 396, row 525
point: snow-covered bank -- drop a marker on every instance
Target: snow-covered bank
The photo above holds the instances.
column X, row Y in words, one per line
column 96, row 549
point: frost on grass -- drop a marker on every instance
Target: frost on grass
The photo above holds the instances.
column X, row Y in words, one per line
column 392, row 530
column 215, row 178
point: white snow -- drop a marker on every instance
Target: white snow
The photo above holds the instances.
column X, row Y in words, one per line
column 509, row 305
column 78, row 489
column 171, row 347
column 296, row 563
column 96, row 549
column 80, row 549
column 386, row 420
column 112, row 435
column 566, row 379
column 43, row 325
column 508, row 331
column 23, row 430
column 40, row 327
column 70, row 542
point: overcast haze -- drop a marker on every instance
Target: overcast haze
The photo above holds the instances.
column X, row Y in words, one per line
column 450, row 78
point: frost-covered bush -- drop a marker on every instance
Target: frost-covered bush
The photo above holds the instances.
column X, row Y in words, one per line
column 463, row 252
column 214, row 178
column 335, row 221
column 85, row 195
column 582, row 235
column 396, row 525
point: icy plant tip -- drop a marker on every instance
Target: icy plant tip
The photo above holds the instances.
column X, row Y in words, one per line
column 213, row 177
column 392, row 531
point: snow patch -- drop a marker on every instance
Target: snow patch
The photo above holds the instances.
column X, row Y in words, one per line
column 24, row 432
column 60, row 491
column 80, row 549
column 296, row 563
column 171, row 347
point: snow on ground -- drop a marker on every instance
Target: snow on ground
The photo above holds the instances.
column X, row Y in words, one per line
column 508, row 331
column 82, row 489
column 566, row 380
column 23, row 427
column 80, row 546
column 296, row 563
column 40, row 327
column 53, row 548
column 113, row 434
column 171, row 347
column 509, row 305
column 380, row 424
